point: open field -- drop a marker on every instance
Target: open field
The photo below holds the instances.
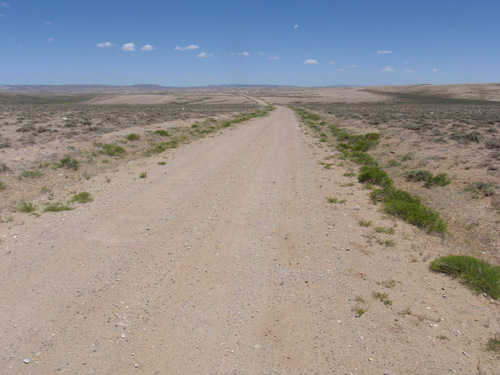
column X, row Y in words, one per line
column 195, row 232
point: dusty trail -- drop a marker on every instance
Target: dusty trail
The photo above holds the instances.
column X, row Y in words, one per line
column 225, row 261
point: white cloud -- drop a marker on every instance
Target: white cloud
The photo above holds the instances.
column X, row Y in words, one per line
column 50, row 40
column 435, row 69
column 311, row 62
column 240, row 54
column 187, row 48
column 332, row 62
column 260, row 53
column 388, row 69
column 128, row 47
column 205, row 55
column 105, row 45
column 5, row 5
column 48, row 23
column 272, row 58
column 147, row 47
column 296, row 27
column 384, row 52
column 411, row 71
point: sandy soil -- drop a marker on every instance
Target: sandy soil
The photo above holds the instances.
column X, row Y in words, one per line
column 230, row 260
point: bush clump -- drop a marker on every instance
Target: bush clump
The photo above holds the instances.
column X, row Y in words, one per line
column 374, row 175
column 429, row 179
column 69, row 163
column 475, row 273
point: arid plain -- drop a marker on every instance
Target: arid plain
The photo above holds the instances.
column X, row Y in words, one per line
column 196, row 231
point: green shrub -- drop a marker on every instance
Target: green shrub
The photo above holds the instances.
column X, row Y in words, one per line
column 133, row 137
column 83, row 197
column 362, row 158
column 69, row 163
column 143, row 175
column 374, row 175
column 2, row 186
column 477, row 274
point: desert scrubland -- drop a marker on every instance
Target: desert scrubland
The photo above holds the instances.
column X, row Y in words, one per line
column 197, row 231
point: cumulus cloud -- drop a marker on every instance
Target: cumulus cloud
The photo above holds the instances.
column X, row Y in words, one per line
column 332, row 62
column 296, row 27
column 311, row 62
column 187, row 48
column 411, row 71
column 240, row 54
column 128, row 47
column 147, row 47
column 388, row 69
column 435, row 69
column 50, row 40
column 260, row 53
column 272, row 58
column 4, row 5
column 205, row 55
column 105, row 44
column 384, row 52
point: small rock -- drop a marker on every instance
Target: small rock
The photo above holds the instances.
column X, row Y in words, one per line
column 26, row 360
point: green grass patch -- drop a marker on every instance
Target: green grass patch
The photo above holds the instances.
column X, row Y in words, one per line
column 112, row 150
column 493, row 344
column 83, row 197
column 403, row 205
column 382, row 297
column 27, row 207
column 486, row 189
column 143, row 175
column 2, row 186
column 133, row 137
column 69, row 163
column 31, row 174
column 475, row 273
column 364, row 223
column 162, row 133
column 57, row 207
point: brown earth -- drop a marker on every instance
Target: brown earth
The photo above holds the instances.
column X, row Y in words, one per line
column 228, row 259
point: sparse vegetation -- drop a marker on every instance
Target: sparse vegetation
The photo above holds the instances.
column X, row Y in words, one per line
column 429, row 179
column 485, row 189
column 31, row 174
column 84, row 197
column 2, row 186
column 364, row 223
column 57, row 207
column 382, row 297
column 493, row 344
column 143, row 175
column 69, row 163
column 385, row 230
column 475, row 273
column 335, row 200
column 27, row 207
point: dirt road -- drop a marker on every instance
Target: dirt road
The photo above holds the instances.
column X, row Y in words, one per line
column 229, row 260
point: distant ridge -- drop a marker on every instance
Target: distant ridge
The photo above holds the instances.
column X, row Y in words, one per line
column 132, row 89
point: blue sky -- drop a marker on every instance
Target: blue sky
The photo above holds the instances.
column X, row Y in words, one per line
column 207, row 42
